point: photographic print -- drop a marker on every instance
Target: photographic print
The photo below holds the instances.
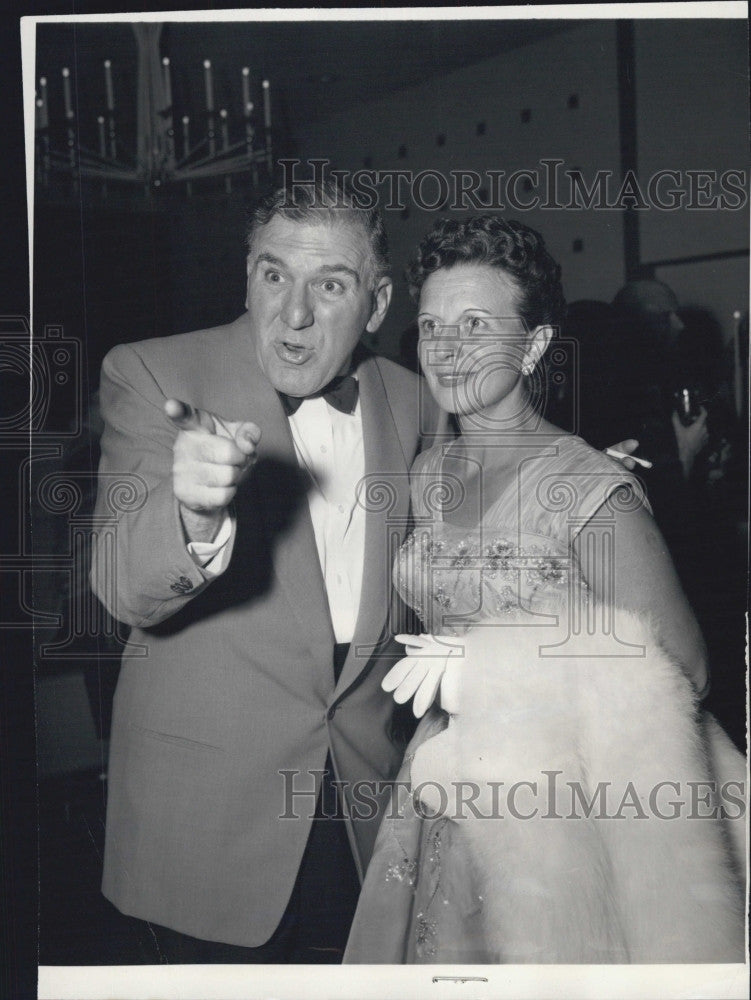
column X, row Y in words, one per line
column 377, row 443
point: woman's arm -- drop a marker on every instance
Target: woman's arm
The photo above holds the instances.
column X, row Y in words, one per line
column 642, row 579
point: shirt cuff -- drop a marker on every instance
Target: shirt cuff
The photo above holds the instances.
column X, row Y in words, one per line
column 213, row 557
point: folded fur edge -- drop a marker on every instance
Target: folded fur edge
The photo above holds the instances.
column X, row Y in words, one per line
column 506, row 647
column 514, row 640
column 642, row 682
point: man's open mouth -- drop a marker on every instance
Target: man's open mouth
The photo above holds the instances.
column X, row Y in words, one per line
column 293, row 354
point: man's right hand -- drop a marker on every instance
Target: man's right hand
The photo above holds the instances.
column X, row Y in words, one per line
column 691, row 439
column 211, row 457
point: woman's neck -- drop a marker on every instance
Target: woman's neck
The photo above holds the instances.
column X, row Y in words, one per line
column 495, row 439
column 514, row 417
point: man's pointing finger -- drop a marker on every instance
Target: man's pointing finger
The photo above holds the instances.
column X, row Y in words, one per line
column 186, row 418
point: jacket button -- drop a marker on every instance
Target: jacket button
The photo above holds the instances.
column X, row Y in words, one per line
column 182, row 586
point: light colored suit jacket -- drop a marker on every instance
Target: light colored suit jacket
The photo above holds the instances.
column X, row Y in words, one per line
column 228, row 683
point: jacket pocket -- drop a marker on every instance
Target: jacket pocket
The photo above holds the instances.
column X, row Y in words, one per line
column 174, row 740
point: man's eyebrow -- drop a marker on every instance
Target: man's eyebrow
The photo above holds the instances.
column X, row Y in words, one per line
column 340, row 269
column 269, row 258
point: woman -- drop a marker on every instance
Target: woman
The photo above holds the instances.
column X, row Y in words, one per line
column 547, row 807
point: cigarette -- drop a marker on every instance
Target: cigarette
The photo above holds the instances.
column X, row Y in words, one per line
column 621, row 454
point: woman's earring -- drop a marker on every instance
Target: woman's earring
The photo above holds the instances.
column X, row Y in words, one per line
column 528, row 367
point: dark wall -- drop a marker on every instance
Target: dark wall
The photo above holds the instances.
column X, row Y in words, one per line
column 112, row 275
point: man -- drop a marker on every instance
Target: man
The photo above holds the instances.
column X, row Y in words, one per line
column 653, row 371
column 257, row 583
column 657, row 398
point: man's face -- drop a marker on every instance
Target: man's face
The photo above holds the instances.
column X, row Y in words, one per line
column 311, row 295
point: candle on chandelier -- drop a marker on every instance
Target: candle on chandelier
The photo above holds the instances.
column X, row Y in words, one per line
column 249, row 130
column 246, row 89
column 186, row 135
column 209, row 85
column 66, row 92
column 102, row 140
column 266, row 104
column 108, row 85
column 167, row 83
column 43, row 108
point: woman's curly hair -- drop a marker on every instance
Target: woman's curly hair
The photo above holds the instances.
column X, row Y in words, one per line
column 503, row 243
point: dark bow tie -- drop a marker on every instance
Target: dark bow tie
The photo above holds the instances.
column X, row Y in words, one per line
column 341, row 393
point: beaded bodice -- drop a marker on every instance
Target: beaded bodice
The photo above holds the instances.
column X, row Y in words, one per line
column 454, row 578
column 519, row 558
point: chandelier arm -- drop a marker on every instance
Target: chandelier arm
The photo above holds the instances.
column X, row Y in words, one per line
column 235, row 166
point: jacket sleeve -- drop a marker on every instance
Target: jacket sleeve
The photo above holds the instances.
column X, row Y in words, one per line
column 141, row 568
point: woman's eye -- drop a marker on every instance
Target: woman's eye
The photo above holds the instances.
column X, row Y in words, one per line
column 474, row 322
column 427, row 326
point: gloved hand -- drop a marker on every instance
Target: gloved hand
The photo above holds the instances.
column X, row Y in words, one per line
column 421, row 670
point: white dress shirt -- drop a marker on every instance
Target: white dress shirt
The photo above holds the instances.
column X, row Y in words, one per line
column 329, row 447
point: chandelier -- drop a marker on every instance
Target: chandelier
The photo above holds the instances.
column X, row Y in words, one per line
column 164, row 156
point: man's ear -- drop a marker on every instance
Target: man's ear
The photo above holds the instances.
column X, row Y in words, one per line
column 381, row 302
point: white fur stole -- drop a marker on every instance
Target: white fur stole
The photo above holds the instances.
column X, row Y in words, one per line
column 600, row 827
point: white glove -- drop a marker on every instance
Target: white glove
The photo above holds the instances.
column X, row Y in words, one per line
column 421, row 670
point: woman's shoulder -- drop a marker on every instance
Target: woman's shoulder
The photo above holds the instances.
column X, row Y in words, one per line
column 569, row 453
column 574, row 452
column 574, row 480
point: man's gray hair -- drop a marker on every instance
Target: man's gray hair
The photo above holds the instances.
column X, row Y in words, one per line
column 324, row 200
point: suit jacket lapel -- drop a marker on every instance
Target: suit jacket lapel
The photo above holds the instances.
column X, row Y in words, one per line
column 385, row 495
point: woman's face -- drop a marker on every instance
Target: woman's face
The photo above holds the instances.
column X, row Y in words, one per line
column 472, row 340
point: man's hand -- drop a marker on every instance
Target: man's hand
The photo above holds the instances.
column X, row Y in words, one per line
column 623, row 452
column 421, row 670
column 211, row 457
column 691, row 440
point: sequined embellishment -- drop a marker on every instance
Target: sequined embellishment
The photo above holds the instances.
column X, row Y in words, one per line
column 425, row 931
column 461, row 557
column 442, row 598
column 497, row 554
column 505, row 601
column 434, row 857
column 402, row 871
column 547, row 571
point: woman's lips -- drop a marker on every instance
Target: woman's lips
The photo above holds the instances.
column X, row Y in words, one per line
column 292, row 354
column 451, row 380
